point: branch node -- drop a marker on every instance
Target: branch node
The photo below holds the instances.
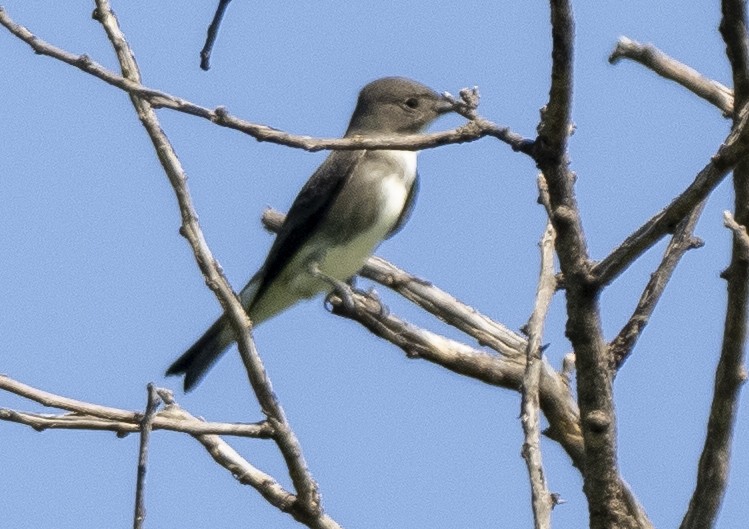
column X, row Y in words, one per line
column 556, row 499
column 568, row 367
column 468, row 104
column 740, row 234
column 696, row 243
column 84, row 61
column 525, row 146
column 220, row 113
column 564, row 214
column 598, row 421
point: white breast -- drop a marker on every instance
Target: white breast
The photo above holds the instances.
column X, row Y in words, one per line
column 407, row 161
column 345, row 261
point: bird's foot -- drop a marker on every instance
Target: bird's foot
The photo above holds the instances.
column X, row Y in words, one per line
column 340, row 288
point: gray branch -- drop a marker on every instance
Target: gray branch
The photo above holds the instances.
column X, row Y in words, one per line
column 682, row 241
column 542, row 501
column 733, row 149
column 505, row 370
column 730, row 374
column 87, row 416
column 308, row 504
column 610, row 502
column 475, row 129
column 146, row 426
column 651, row 57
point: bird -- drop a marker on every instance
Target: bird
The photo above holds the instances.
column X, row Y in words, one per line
column 350, row 204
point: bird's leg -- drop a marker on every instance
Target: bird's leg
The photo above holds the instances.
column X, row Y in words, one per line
column 370, row 292
column 341, row 288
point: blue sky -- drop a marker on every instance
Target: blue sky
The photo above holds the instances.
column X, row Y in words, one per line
column 100, row 293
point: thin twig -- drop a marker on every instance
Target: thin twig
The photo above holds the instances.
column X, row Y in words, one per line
column 246, row 474
column 205, row 53
column 96, row 417
column 651, row 57
column 733, row 149
column 308, row 496
column 720, row 164
column 682, row 241
column 273, row 492
column 542, row 500
column 471, row 131
column 556, row 402
column 446, row 307
column 739, row 232
column 146, row 425
column 89, row 416
column 162, row 421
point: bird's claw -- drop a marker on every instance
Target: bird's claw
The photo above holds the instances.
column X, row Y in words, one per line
column 342, row 289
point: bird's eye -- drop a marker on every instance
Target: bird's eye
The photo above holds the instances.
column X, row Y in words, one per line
column 412, row 102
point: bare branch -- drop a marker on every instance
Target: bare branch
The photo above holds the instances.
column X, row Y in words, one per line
column 432, row 299
column 683, row 240
column 733, row 30
column 96, row 417
column 269, row 488
column 722, row 162
column 205, row 53
column 555, row 398
column 146, row 425
column 86, row 416
column 307, row 493
column 417, row 342
column 171, row 418
column 542, row 501
column 601, row 481
column 247, row 474
column 651, row 57
column 734, row 33
column 446, row 307
column 610, row 502
column 162, row 421
column 555, row 124
column 739, row 232
column 506, row 371
column 730, row 374
column 471, row 131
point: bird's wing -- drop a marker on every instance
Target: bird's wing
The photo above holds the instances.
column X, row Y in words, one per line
column 408, row 207
column 305, row 214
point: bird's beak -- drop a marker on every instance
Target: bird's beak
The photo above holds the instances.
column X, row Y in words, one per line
column 444, row 105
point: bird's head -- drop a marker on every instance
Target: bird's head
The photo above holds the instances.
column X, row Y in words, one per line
column 396, row 105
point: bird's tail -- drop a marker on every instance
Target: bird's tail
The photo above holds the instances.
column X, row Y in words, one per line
column 198, row 359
